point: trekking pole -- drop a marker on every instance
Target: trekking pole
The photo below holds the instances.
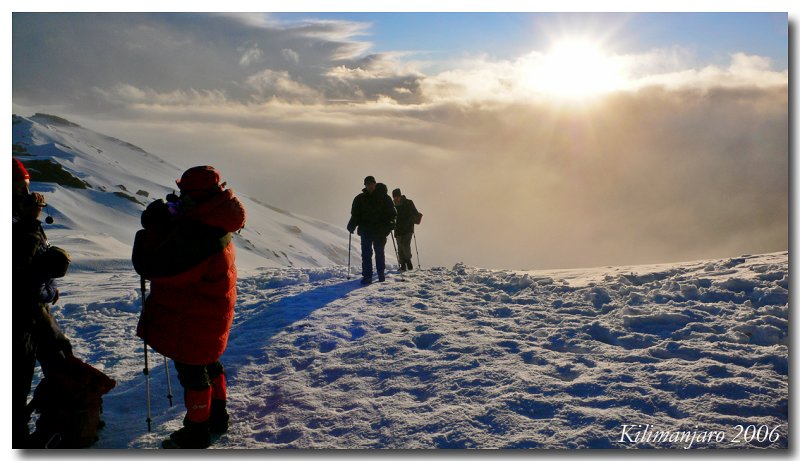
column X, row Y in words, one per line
column 146, row 361
column 147, row 380
column 169, row 385
column 419, row 264
column 397, row 255
column 349, row 245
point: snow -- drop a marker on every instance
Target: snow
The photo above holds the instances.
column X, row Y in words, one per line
column 458, row 357
column 466, row 357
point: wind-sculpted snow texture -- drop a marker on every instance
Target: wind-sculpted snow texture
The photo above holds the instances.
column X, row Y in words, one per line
column 471, row 358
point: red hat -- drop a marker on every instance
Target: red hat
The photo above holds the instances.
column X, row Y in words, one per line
column 20, row 172
column 199, row 178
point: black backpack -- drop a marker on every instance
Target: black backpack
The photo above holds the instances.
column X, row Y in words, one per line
column 69, row 403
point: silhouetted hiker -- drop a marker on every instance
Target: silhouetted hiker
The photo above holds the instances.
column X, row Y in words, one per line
column 186, row 251
column 373, row 214
column 36, row 336
column 407, row 216
column 68, row 398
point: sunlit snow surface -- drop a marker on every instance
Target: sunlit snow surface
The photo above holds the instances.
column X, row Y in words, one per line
column 467, row 358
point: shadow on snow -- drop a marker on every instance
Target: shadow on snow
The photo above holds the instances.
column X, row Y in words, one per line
column 261, row 321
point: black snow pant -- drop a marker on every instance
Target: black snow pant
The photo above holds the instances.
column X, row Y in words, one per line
column 29, row 344
column 198, row 377
column 404, row 250
column 368, row 244
column 23, row 366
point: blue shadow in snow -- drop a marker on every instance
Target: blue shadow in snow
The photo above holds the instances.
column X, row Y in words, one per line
column 266, row 319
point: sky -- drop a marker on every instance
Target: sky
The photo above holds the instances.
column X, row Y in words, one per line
column 527, row 140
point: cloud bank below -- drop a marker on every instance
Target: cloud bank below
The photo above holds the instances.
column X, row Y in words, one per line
column 681, row 162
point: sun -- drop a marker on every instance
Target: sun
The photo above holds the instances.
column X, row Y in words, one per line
column 576, row 69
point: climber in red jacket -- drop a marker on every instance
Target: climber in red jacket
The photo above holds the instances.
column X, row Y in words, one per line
column 186, row 251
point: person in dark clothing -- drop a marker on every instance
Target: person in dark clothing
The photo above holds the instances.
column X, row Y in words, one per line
column 36, row 336
column 373, row 215
column 407, row 216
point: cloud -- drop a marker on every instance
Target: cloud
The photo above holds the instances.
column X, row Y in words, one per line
column 251, row 55
column 128, row 95
column 250, row 19
column 329, row 30
column 59, row 57
column 280, row 85
column 291, row 55
column 743, row 71
column 481, row 79
column 653, row 175
column 690, row 162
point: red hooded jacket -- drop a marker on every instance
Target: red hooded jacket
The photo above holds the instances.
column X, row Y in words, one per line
column 188, row 315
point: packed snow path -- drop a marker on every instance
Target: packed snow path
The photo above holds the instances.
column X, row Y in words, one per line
column 468, row 358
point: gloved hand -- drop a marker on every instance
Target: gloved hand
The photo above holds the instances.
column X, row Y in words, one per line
column 53, row 353
column 48, row 292
column 62, row 344
column 351, row 227
column 156, row 214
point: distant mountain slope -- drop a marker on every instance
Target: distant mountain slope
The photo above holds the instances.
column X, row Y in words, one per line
column 97, row 186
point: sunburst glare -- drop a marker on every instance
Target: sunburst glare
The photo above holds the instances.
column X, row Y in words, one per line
column 576, row 69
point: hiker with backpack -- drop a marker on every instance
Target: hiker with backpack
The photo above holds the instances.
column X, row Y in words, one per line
column 372, row 215
column 36, row 335
column 187, row 253
column 407, row 216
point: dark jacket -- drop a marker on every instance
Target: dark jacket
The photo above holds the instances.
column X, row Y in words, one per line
column 406, row 215
column 32, row 290
column 190, row 260
column 373, row 214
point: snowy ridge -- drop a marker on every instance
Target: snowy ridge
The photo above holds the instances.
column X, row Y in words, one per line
column 98, row 186
column 469, row 358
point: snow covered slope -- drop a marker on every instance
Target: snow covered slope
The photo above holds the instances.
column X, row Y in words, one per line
column 97, row 186
column 471, row 358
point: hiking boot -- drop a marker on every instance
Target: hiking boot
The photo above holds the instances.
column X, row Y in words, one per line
column 381, row 278
column 190, row 436
column 366, row 280
column 409, row 265
column 218, row 422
